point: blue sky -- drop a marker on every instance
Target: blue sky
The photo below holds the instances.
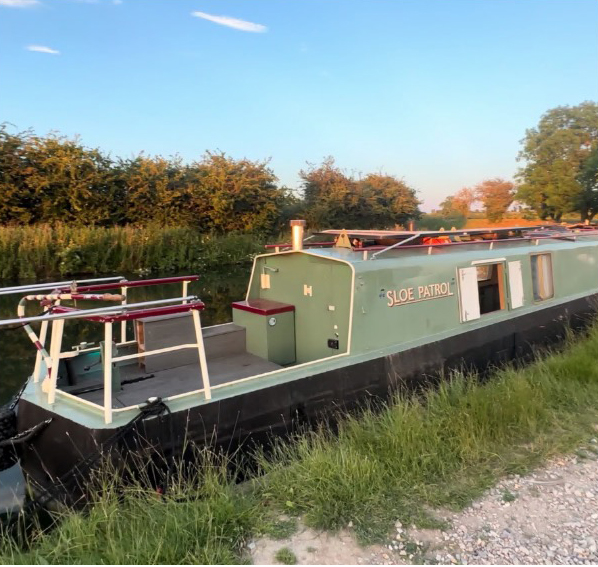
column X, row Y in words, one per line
column 438, row 92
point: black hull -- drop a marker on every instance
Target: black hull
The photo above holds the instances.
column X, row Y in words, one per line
column 256, row 416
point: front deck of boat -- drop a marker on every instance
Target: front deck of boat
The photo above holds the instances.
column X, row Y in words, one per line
column 177, row 372
column 179, row 380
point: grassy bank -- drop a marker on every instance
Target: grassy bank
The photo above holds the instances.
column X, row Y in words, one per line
column 44, row 251
column 440, row 450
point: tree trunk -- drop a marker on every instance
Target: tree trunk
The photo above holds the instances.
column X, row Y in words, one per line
column 585, row 214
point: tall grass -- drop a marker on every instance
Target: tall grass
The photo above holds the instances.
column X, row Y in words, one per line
column 442, row 448
column 43, row 251
column 202, row 519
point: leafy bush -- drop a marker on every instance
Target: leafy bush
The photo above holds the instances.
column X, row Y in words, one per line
column 436, row 222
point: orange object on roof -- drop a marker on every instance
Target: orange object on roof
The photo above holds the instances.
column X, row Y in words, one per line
column 436, row 239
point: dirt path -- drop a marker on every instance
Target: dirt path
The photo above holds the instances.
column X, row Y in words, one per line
column 547, row 517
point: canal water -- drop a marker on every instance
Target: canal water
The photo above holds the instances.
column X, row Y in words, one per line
column 17, row 353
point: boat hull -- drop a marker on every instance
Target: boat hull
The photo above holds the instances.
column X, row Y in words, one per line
column 278, row 410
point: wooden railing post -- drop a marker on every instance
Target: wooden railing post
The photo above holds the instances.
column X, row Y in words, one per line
column 37, row 371
column 55, row 347
column 185, row 289
column 202, row 354
column 108, row 372
column 123, row 324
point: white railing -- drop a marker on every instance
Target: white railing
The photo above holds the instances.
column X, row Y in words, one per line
column 120, row 312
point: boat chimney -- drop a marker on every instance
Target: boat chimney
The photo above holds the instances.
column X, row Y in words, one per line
column 297, row 227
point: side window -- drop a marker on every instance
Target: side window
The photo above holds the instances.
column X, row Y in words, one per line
column 542, row 277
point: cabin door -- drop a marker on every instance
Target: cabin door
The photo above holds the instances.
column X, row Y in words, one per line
column 322, row 313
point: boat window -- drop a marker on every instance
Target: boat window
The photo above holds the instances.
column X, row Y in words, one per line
column 491, row 289
column 542, row 277
column 484, row 272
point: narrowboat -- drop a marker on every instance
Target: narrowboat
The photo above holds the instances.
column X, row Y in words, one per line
column 327, row 322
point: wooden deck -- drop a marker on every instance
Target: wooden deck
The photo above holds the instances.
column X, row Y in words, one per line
column 182, row 379
column 178, row 372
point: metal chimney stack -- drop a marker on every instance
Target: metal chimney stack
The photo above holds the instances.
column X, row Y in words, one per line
column 297, row 227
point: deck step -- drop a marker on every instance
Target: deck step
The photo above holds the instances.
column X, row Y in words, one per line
column 170, row 330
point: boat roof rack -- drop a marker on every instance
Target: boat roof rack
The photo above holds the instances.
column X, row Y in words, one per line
column 379, row 234
column 381, row 241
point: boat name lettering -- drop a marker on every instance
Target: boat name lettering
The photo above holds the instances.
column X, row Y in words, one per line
column 420, row 293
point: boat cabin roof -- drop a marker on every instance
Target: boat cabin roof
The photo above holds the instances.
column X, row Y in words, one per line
column 379, row 234
column 357, row 246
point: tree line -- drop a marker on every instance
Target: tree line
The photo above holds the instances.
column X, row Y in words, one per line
column 559, row 175
column 45, row 179
column 48, row 179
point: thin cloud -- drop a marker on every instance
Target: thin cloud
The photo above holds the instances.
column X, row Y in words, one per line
column 20, row 3
column 232, row 22
column 42, row 49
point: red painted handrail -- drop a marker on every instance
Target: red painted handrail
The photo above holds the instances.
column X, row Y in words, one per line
column 136, row 283
column 138, row 314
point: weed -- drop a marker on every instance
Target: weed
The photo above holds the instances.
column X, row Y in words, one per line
column 285, row 556
column 508, row 496
column 412, row 547
column 280, row 529
column 535, row 492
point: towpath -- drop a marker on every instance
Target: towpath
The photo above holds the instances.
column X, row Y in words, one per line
column 547, row 517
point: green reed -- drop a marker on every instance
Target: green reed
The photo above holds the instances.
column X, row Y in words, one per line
column 43, row 251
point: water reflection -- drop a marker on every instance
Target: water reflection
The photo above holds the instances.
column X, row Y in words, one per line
column 17, row 354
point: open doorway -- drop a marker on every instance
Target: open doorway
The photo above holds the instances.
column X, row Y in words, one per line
column 491, row 287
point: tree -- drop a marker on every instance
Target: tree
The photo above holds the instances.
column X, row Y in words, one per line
column 458, row 204
column 588, row 179
column 496, row 195
column 238, row 195
column 554, row 153
column 386, row 201
column 327, row 194
column 334, row 199
column 18, row 202
column 160, row 190
column 53, row 178
column 447, row 207
column 463, row 200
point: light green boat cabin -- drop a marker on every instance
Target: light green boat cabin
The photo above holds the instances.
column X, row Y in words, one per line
column 375, row 300
column 415, row 302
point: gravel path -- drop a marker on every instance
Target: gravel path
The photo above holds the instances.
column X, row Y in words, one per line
column 547, row 517
column 550, row 516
